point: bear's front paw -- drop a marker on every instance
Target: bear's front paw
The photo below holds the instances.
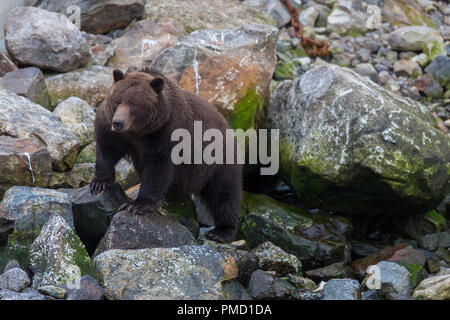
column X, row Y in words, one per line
column 138, row 207
column 97, row 186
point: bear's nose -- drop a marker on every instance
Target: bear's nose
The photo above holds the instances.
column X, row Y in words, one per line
column 118, row 125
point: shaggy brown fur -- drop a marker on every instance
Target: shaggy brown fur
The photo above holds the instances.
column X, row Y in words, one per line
column 137, row 118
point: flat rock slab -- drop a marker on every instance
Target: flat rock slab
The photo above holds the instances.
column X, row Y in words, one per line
column 188, row 272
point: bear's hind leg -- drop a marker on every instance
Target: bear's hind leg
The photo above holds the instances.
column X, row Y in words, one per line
column 223, row 198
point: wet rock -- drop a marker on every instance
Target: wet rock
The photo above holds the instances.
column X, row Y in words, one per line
column 32, row 207
column 61, row 46
column 57, row 256
column 89, row 84
column 407, row 68
column 23, row 162
column 314, row 239
column 101, row 16
column 342, row 289
column 265, row 286
column 53, row 291
column 21, row 118
column 274, row 9
column 6, row 65
column 78, row 116
column 206, row 14
column 93, row 214
column 144, row 39
column 14, row 279
column 6, row 225
column 301, row 282
column 337, row 270
column 244, row 59
column 246, row 262
column 188, row 272
column 29, row 83
column 86, row 288
column 361, row 249
column 338, row 163
column 439, row 68
column 151, row 230
column 415, row 38
column 273, row 258
column 436, row 288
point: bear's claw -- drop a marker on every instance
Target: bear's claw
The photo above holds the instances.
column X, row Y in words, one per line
column 136, row 208
column 98, row 186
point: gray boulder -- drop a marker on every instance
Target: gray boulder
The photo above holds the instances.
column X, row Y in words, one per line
column 14, row 279
column 342, row 289
column 348, row 145
column 61, row 46
column 6, row 225
column 188, row 272
column 266, row 286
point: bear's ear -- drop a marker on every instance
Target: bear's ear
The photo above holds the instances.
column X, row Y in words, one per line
column 118, row 75
column 157, row 84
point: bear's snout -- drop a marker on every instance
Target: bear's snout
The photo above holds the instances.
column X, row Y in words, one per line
column 121, row 119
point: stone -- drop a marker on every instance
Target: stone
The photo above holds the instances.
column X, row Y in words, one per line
column 102, row 47
column 314, row 239
column 432, row 265
column 265, row 286
column 405, row 13
column 338, row 270
column 244, row 59
column 206, row 14
column 87, row 288
column 349, row 17
column 28, row 83
column 23, row 162
column 308, row 17
column 22, row 118
column 61, row 47
column 6, row 225
column 429, row 242
column 53, row 291
column 302, row 283
column 143, row 41
column 6, row 65
column 417, row 38
column 31, row 209
column 100, row 16
column 57, row 256
column 87, row 154
column 28, row 295
column 246, row 262
column 444, row 239
column 14, row 279
column 420, row 225
column 429, row 86
column 93, row 214
column 435, row 288
column 233, row 290
column 188, row 272
column 11, row 265
column 152, row 230
column 274, row 9
column 407, row 68
column 439, row 68
column 90, row 84
column 338, row 163
column 393, row 279
column 78, row 116
column 273, row 258
column 342, row 289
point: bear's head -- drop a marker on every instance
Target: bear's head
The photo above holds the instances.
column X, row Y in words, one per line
column 135, row 103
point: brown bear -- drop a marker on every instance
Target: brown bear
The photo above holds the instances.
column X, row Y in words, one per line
column 137, row 118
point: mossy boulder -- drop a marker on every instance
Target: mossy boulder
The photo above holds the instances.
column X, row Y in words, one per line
column 231, row 68
column 58, row 256
column 314, row 239
column 350, row 146
column 405, row 13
